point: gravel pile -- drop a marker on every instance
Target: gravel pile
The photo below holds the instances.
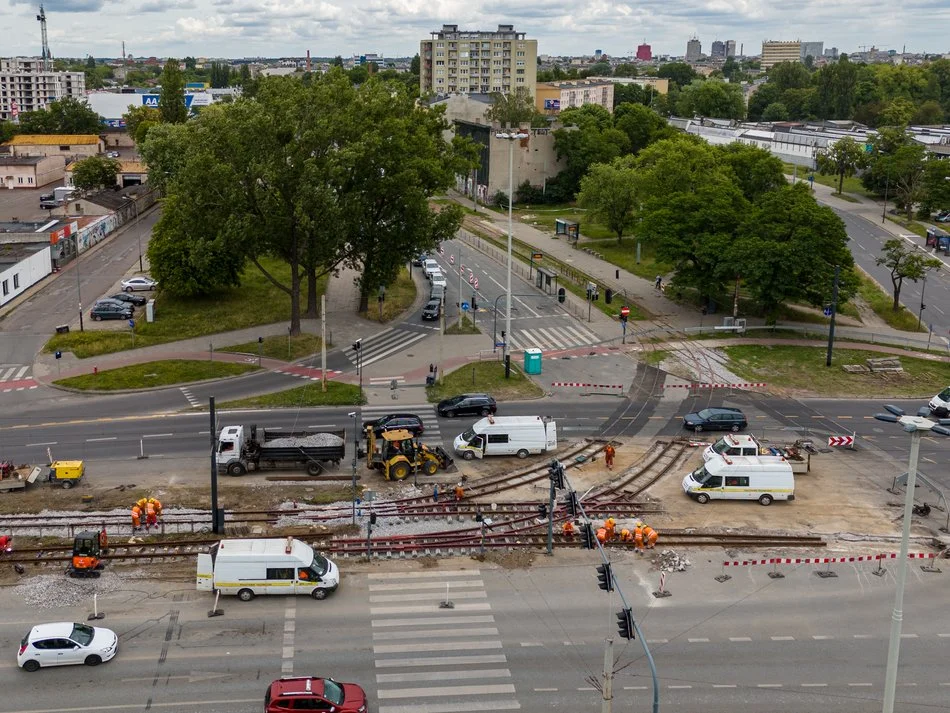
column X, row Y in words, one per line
column 47, row 591
column 315, row 440
column 669, row 561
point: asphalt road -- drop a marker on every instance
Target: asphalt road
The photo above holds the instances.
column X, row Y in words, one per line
column 516, row 639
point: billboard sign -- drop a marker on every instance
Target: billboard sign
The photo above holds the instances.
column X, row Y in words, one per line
column 151, row 100
column 552, row 104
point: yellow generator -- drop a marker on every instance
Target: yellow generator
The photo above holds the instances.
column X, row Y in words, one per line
column 66, row 472
column 398, row 454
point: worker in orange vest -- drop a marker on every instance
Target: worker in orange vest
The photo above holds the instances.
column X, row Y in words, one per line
column 143, row 504
column 650, row 536
column 610, row 526
column 459, row 493
column 638, row 537
column 136, row 517
column 609, row 454
column 601, row 535
column 157, row 505
column 151, row 519
column 568, row 529
column 625, row 535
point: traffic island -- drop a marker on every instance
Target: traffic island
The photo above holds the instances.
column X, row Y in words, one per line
column 154, row 374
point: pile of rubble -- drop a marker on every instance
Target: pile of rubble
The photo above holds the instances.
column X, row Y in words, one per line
column 314, row 440
column 49, row 591
column 876, row 366
column 669, row 561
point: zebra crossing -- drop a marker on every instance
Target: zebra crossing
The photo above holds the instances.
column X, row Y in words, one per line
column 433, row 658
column 432, row 434
column 552, row 338
column 16, row 377
column 384, row 344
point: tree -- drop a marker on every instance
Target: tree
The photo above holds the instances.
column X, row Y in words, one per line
column 905, row 263
column 598, row 69
column 7, row 130
column 731, row 69
column 711, row 98
column 897, row 112
column 679, row 72
column 139, row 119
column 629, row 94
column 905, row 167
column 95, row 172
column 220, row 75
column 755, row 171
column 171, row 100
column 625, row 69
column 190, row 63
column 65, row 116
column 642, row 125
column 512, row 109
column 359, row 74
column 608, row 191
column 789, row 75
column 842, row 159
column 776, row 111
column 587, row 137
column 936, row 185
column 766, row 95
column 414, row 65
column 930, row 113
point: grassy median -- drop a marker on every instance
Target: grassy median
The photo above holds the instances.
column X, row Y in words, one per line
column 485, row 377
column 337, row 394
column 284, row 348
column 155, row 373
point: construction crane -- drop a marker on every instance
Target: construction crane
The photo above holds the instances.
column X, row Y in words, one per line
column 47, row 64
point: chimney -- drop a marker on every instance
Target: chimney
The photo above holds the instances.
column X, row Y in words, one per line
column 308, row 60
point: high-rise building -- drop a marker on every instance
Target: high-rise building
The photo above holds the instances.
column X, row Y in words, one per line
column 718, row 49
column 815, row 49
column 25, row 85
column 831, row 53
column 694, row 50
column 730, row 48
column 774, row 52
column 644, row 52
column 477, row 61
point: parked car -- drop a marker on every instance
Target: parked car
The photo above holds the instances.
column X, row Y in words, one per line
column 717, row 418
column 139, row 283
column 113, row 154
column 467, row 405
column 429, row 266
column 943, row 216
column 438, row 280
column 114, row 301
column 108, row 309
column 433, row 309
column 437, row 292
column 314, row 694
column 47, row 198
column 409, row 421
column 420, row 259
column 135, row 300
column 64, row 643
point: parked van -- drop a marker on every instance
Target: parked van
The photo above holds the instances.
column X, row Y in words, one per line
column 940, row 404
column 251, row 567
column 506, row 436
column 430, row 266
column 741, row 478
column 732, row 445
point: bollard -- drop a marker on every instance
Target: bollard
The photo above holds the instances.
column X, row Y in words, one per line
column 775, row 574
column 215, row 611
column 662, row 591
column 445, row 603
column 96, row 614
column 826, row 573
column 880, row 571
column 142, row 455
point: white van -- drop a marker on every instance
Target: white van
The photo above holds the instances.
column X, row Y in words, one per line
column 741, row 478
column 430, row 266
column 940, row 404
column 732, row 445
column 506, row 436
column 266, row 566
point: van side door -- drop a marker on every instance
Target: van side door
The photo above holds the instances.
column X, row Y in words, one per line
column 306, row 581
column 713, row 487
column 497, row 444
column 280, row 580
column 737, row 487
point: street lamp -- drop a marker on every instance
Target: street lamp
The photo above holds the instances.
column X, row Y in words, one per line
column 920, row 315
column 356, row 449
column 78, row 281
column 915, row 426
column 138, row 236
column 510, row 137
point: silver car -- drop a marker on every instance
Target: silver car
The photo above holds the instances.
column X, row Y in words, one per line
column 140, row 283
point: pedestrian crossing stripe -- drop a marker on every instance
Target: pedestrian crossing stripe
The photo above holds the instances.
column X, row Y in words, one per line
column 383, row 344
column 552, row 338
column 16, row 372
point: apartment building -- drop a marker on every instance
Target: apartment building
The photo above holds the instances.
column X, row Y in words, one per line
column 477, row 61
column 777, row 52
column 26, row 86
column 730, row 48
column 553, row 97
column 694, row 50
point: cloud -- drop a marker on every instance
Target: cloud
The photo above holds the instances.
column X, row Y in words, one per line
column 51, row 6
column 150, row 6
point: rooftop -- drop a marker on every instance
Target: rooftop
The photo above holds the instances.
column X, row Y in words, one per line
column 20, row 160
column 53, row 140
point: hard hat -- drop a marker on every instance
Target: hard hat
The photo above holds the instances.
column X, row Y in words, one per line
column 639, row 523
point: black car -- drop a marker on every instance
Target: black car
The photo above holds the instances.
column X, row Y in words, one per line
column 467, row 405
column 420, row 259
column 717, row 418
column 394, row 421
column 109, row 309
column 136, row 300
column 432, row 309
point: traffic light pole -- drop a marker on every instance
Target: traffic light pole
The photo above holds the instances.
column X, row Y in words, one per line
column 551, row 520
column 608, row 688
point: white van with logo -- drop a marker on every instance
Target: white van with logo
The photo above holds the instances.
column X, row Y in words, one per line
column 741, row 478
column 252, row 567
column 507, row 436
column 940, row 404
column 732, row 445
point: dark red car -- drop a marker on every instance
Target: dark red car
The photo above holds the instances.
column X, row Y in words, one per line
column 314, row 694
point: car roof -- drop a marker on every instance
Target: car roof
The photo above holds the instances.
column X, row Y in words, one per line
column 724, row 409
column 399, row 415
column 297, row 686
column 54, row 629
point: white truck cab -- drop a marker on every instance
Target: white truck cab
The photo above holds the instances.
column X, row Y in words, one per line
column 940, row 404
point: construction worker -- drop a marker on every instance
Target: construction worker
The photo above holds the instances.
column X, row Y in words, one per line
column 459, row 493
column 609, row 454
column 151, row 519
column 6, row 543
column 157, row 505
column 136, row 517
column 650, row 537
column 568, row 529
column 601, row 535
column 625, row 535
column 638, row 537
column 610, row 526
column 143, row 504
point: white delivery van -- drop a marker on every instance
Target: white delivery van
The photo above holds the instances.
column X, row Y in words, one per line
column 506, row 436
column 741, row 478
column 940, row 404
column 430, row 266
column 266, row 566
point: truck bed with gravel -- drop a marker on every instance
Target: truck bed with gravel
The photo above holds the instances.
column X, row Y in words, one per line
column 245, row 448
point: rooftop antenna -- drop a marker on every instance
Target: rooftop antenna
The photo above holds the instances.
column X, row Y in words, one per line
column 46, row 53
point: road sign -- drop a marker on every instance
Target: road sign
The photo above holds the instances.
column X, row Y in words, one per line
column 625, row 311
column 465, row 306
column 827, row 311
column 537, row 257
column 840, row 440
column 475, row 283
column 471, row 279
column 451, row 259
column 132, row 323
column 499, row 344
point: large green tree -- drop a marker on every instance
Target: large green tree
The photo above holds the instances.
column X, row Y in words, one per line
column 65, row 116
column 171, row 100
column 642, row 125
column 587, row 137
column 842, row 159
column 512, row 109
column 936, row 185
column 679, row 72
column 712, row 98
column 905, row 262
column 754, row 170
column 95, row 172
column 608, row 192
column 139, row 120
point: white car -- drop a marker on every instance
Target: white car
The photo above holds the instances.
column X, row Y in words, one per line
column 430, row 266
column 438, row 280
column 64, row 643
column 139, row 283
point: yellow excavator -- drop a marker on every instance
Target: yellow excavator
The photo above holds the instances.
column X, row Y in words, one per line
column 397, row 454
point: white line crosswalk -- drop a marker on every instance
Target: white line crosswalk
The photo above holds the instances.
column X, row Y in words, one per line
column 442, row 681
column 432, row 434
column 552, row 338
column 384, row 344
column 14, row 372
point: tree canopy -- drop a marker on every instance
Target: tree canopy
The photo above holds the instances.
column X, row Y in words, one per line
column 171, row 101
column 65, row 116
column 95, row 172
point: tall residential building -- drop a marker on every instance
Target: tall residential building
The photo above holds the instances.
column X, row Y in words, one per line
column 718, row 49
column 730, row 48
column 777, row 52
column 694, row 49
column 644, row 52
column 477, row 61
column 26, row 86
column 815, row 49
column 831, row 53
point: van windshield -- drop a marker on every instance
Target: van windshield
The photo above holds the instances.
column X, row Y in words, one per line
column 320, row 564
column 468, row 435
column 701, row 475
column 944, row 395
column 720, row 446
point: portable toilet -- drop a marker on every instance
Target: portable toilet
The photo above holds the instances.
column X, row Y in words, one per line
column 532, row 361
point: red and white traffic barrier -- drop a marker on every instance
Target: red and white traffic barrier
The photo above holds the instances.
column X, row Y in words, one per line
column 751, row 385
column 827, row 560
column 841, row 441
column 593, row 386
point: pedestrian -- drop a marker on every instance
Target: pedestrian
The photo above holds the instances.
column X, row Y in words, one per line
column 136, row 518
column 609, row 454
column 650, row 537
column 435, row 493
column 659, row 282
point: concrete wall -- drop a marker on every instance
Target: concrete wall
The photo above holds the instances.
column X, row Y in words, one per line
column 24, row 274
column 534, row 161
column 70, row 151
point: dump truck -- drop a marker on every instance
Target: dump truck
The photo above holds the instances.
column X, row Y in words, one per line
column 397, row 454
column 242, row 449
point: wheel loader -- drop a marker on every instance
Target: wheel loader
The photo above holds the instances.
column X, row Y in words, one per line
column 397, row 454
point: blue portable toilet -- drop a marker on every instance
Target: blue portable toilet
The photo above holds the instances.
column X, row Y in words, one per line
column 532, row 361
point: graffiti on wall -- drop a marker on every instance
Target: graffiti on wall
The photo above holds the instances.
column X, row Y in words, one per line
column 96, row 232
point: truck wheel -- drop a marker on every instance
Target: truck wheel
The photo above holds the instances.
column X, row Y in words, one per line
column 765, row 500
column 236, row 469
column 245, row 595
column 319, row 594
column 468, row 455
column 430, row 467
column 522, row 454
column 67, row 484
column 702, row 498
column 399, row 470
column 314, row 469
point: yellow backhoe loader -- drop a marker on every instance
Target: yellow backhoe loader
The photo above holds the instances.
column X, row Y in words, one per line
column 397, row 454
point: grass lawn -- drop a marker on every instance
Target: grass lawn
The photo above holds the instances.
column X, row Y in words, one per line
column 155, row 373
column 653, row 357
column 852, row 184
column 883, row 305
column 625, row 256
column 803, row 368
column 399, row 297
column 277, row 347
column 256, row 301
column 463, row 326
column 544, row 217
column 488, row 377
column 911, row 225
column 337, row 394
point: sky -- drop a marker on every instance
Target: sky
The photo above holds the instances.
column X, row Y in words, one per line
column 275, row 28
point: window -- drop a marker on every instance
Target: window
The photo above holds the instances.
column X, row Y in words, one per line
column 280, row 572
column 737, row 482
column 16, row 281
column 6, row 288
column 497, row 437
column 713, row 481
column 64, row 148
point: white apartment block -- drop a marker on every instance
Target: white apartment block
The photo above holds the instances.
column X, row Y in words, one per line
column 477, row 62
column 777, row 52
column 26, row 86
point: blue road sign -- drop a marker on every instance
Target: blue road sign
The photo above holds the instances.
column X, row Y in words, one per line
column 827, row 311
column 132, row 323
column 465, row 307
column 499, row 344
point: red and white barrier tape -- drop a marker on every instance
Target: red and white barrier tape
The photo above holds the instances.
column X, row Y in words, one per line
column 829, row 560
column 714, row 386
column 594, row 386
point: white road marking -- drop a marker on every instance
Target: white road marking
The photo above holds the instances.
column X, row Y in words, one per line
column 447, row 691
column 435, row 620
column 740, row 638
column 442, row 675
column 441, row 661
column 432, row 634
column 437, row 646
column 95, row 440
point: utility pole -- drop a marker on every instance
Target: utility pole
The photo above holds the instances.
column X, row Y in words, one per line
column 459, row 261
column 834, row 312
column 441, row 337
column 608, row 700
column 323, row 341
column 216, row 521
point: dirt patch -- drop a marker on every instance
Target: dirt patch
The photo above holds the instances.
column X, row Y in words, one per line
column 514, row 559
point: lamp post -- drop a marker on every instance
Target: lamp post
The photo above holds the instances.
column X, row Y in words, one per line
column 915, row 425
column 887, row 184
column 356, row 449
column 78, row 282
column 920, row 315
column 138, row 235
column 510, row 137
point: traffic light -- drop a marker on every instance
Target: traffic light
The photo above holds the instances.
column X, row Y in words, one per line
column 357, row 345
column 587, row 532
column 561, row 294
column 556, row 473
column 605, row 577
column 542, row 511
column 570, row 503
column 474, row 303
column 372, row 518
column 608, row 295
column 625, row 624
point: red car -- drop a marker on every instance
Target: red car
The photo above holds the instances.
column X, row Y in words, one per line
column 314, row 694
